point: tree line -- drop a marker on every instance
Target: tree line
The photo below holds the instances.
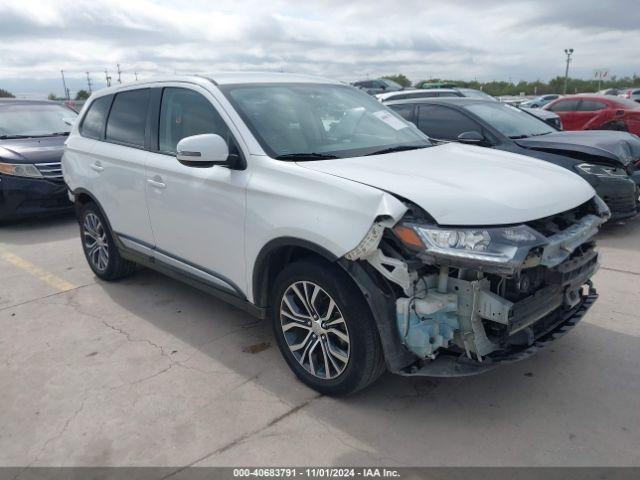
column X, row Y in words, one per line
column 538, row 87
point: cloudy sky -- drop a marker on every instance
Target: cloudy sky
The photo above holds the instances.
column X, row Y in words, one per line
column 343, row 39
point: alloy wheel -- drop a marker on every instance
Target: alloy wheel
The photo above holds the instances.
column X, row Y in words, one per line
column 95, row 242
column 315, row 330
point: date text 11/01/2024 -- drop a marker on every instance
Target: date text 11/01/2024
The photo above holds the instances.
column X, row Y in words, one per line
column 316, row 472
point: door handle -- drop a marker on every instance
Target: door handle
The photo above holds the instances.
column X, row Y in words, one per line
column 97, row 166
column 156, row 183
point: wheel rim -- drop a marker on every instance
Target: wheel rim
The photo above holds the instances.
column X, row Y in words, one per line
column 95, row 242
column 314, row 330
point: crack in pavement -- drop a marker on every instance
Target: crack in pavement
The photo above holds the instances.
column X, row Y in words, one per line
column 242, row 438
column 56, row 436
column 619, row 270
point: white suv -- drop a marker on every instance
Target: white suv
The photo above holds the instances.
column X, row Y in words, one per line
column 308, row 202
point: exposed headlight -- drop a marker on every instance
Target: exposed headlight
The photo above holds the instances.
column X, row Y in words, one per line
column 496, row 246
column 602, row 171
column 19, row 170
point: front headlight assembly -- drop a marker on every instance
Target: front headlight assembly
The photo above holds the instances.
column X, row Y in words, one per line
column 497, row 249
column 602, row 170
column 20, row 170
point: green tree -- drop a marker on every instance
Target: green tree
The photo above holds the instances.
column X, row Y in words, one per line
column 52, row 96
column 6, row 94
column 399, row 78
column 82, row 95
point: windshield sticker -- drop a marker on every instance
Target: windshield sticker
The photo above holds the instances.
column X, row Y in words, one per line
column 390, row 120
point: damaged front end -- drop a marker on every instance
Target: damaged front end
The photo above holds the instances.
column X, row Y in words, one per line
column 466, row 299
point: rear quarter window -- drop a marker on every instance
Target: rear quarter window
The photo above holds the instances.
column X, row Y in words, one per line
column 94, row 120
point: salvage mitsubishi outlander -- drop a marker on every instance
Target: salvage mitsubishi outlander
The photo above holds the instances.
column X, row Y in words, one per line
column 306, row 201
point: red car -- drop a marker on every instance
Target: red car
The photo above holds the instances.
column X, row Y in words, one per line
column 597, row 112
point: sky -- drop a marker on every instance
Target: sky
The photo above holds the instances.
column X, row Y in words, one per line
column 342, row 39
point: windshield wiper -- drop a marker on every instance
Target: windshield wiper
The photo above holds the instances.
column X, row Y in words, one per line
column 58, row 134
column 306, row 156
column 399, row 148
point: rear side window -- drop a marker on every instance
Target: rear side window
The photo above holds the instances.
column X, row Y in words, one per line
column 184, row 113
column 565, row 106
column 591, row 106
column 444, row 123
column 128, row 117
column 94, row 120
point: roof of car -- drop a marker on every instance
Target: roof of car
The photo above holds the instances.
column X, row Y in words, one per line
column 225, row 78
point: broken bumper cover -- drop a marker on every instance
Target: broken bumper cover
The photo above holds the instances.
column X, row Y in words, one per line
column 447, row 365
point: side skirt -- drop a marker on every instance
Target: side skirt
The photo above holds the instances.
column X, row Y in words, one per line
column 177, row 274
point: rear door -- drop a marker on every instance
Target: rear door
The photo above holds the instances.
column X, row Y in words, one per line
column 197, row 212
column 116, row 163
column 586, row 112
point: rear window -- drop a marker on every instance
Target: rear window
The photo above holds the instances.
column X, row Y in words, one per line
column 94, row 120
column 128, row 117
column 626, row 104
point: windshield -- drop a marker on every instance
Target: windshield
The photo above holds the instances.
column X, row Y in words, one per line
column 35, row 120
column 510, row 121
column 315, row 121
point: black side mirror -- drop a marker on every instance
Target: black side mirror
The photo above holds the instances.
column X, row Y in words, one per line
column 471, row 138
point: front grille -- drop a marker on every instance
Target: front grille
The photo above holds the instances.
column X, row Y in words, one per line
column 50, row 170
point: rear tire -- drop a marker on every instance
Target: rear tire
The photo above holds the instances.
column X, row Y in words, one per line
column 99, row 247
column 324, row 328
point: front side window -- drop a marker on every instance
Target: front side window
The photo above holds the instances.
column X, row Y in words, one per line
column 128, row 118
column 564, row 106
column 184, row 113
column 35, row 120
column 444, row 123
column 314, row 120
column 95, row 119
column 510, row 121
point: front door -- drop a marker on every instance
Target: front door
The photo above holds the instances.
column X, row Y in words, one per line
column 197, row 213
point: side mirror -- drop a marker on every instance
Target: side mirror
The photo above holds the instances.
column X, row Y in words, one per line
column 203, row 150
column 471, row 138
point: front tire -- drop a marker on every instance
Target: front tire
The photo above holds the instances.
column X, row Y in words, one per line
column 324, row 328
column 98, row 245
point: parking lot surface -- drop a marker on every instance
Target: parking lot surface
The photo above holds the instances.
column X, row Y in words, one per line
column 148, row 371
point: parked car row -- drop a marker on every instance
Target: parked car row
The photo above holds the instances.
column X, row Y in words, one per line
column 422, row 239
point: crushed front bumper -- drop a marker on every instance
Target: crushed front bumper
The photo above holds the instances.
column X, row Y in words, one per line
column 557, row 323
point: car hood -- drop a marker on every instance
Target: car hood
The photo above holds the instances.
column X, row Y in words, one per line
column 621, row 148
column 467, row 185
column 32, row 150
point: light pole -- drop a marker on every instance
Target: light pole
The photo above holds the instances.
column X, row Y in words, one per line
column 568, row 52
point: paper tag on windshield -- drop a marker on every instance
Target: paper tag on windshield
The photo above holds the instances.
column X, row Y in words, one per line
column 390, row 120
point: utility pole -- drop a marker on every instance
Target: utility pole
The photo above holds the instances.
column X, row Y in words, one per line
column 89, row 82
column 136, row 75
column 118, row 67
column 107, row 78
column 64, row 85
column 568, row 52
